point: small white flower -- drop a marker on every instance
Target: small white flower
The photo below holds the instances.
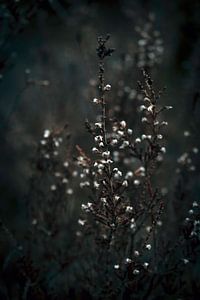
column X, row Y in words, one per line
column 34, row 222
column 95, row 150
column 194, row 204
column 125, row 183
column 142, row 108
column 186, row 133
column 123, row 124
column 168, row 107
column 98, row 138
column 148, row 247
column 144, row 119
column 163, row 149
column 143, row 136
column 164, row 123
column 120, row 132
column 185, row 261
column 129, row 174
column 66, row 164
column 101, row 144
column 81, row 222
column 106, row 154
column 129, row 131
column 136, row 182
column 47, row 133
column 138, row 140
column 145, row 265
column 159, row 136
column 116, row 267
column 128, row 260
column 136, row 272
column 114, row 142
column 107, row 87
column 69, row 191
column 98, row 125
column 95, row 100
column 129, row 209
column 150, row 108
column 96, row 184
column 53, row 187
column 195, row 150
column 43, row 142
column 136, row 253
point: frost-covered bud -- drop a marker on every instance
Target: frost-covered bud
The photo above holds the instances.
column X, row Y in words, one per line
column 129, row 209
column 101, row 144
column 123, row 124
column 149, row 137
column 136, row 272
column 148, row 247
column 47, row 133
column 136, row 182
column 138, row 140
column 129, row 131
column 107, row 87
column 116, row 197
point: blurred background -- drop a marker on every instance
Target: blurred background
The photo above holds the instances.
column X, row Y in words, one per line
column 48, row 68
